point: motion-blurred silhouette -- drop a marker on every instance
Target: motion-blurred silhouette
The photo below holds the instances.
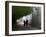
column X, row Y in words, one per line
column 26, row 22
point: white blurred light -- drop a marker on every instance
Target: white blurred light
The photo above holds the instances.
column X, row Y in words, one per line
column 21, row 20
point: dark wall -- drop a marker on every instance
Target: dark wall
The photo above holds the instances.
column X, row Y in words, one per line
column 36, row 18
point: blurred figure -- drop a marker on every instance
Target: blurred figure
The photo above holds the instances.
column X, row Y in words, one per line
column 26, row 22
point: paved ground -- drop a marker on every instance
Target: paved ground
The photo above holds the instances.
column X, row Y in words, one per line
column 18, row 27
